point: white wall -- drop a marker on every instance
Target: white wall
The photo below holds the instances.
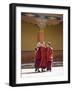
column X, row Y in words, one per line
column 4, row 43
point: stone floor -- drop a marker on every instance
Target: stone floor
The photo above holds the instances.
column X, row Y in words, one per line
column 31, row 65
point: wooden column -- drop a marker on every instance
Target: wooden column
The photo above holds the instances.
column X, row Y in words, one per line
column 40, row 37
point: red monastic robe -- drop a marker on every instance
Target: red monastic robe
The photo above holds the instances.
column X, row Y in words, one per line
column 49, row 57
column 43, row 63
column 38, row 57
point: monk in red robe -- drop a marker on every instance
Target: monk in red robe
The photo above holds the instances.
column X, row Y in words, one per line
column 37, row 58
column 49, row 51
column 43, row 63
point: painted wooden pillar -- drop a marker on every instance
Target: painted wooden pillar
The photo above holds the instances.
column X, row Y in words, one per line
column 41, row 22
column 40, row 37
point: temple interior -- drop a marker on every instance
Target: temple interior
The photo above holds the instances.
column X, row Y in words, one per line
column 41, row 27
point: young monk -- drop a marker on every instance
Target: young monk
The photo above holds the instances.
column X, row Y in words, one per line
column 49, row 57
column 43, row 62
column 37, row 57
